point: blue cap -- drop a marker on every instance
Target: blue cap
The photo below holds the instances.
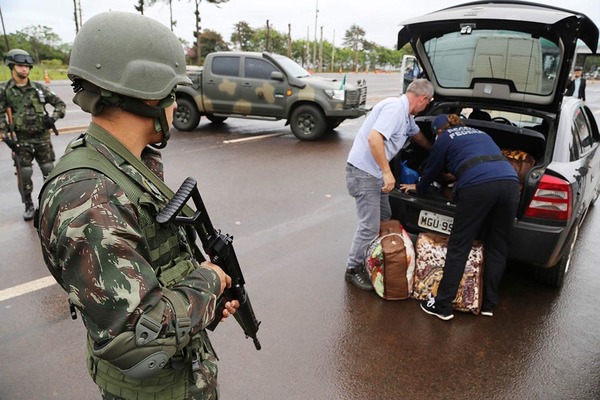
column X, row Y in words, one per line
column 438, row 122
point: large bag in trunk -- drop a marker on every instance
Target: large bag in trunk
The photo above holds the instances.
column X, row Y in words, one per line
column 521, row 161
column 390, row 262
column 431, row 255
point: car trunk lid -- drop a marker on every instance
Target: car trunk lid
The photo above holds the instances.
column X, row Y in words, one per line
column 511, row 52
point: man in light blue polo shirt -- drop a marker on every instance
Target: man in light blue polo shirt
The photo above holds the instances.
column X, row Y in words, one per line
column 369, row 177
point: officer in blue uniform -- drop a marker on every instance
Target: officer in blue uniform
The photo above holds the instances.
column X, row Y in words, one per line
column 487, row 195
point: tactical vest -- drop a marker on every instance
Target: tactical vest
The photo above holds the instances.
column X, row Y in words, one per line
column 28, row 110
column 171, row 251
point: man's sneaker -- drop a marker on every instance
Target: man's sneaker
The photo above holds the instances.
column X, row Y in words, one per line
column 429, row 307
column 358, row 278
column 487, row 313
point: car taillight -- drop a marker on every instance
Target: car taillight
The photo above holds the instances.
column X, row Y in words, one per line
column 552, row 199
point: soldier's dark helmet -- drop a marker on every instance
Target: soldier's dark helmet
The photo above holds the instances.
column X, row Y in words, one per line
column 121, row 58
column 18, row 56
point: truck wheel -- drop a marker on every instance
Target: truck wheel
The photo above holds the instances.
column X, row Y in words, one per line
column 555, row 276
column 186, row 116
column 308, row 122
column 215, row 120
column 333, row 123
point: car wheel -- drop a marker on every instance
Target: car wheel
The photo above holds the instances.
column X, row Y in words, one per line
column 308, row 122
column 186, row 116
column 555, row 276
column 215, row 120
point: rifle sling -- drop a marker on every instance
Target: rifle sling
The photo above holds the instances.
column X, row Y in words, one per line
column 112, row 143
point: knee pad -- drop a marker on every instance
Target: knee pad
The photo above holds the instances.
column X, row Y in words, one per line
column 46, row 168
column 26, row 173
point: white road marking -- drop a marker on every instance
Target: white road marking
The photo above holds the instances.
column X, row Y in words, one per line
column 27, row 287
column 252, row 138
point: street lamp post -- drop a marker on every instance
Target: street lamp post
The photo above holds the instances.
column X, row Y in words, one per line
column 314, row 58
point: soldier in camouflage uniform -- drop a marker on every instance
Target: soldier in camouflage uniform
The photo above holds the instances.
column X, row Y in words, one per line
column 143, row 289
column 25, row 124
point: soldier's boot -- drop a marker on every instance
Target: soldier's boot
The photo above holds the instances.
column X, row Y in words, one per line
column 29, row 209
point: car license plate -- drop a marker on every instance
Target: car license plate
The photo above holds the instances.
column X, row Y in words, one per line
column 435, row 222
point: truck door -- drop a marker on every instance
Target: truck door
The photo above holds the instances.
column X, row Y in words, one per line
column 221, row 85
column 266, row 95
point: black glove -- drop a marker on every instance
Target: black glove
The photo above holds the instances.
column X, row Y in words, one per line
column 48, row 121
column 9, row 142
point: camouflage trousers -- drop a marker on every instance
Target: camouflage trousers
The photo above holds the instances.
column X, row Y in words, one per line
column 40, row 151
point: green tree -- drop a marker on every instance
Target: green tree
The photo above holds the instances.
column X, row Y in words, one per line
column 212, row 41
column 345, row 58
column 140, row 7
column 172, row 22
column 41, row 42
column 197, row 31
column 355, row 39
column 300, row 52
column 277, row 41
column 242, row 36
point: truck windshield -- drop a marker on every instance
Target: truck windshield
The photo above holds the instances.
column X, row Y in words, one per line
column 291, row 67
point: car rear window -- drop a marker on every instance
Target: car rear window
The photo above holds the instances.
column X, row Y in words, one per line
column 529, row 64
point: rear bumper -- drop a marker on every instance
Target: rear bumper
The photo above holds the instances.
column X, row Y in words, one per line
column 531, row 243
column 536, row 244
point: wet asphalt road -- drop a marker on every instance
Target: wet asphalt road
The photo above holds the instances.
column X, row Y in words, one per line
column 286, row 205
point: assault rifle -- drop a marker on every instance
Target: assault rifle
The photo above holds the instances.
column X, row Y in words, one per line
column 11, row 142
column 219, row 248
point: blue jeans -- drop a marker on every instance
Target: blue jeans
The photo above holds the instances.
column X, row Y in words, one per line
column 372, row 207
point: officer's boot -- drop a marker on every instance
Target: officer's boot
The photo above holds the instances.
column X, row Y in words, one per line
column 29, row 208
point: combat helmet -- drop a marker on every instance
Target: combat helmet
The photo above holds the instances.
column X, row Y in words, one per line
column 122, row 58
column 18, row 56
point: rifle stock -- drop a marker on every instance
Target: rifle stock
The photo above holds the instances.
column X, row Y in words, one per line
column 219, row 248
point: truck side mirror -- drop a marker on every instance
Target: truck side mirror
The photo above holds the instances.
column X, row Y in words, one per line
column 277, row 76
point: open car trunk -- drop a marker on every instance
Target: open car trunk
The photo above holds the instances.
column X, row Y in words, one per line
column 524, row 146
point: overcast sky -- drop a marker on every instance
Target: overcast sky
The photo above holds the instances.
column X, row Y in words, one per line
column 379, row 18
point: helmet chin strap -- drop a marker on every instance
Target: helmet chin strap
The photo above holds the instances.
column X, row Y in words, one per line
column 161, row 126
column 91, row 99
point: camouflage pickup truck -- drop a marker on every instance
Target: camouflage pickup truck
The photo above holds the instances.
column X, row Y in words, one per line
column 269, row 87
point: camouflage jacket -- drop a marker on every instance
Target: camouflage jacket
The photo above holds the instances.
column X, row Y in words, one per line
column 28, row 109
column 94, row 247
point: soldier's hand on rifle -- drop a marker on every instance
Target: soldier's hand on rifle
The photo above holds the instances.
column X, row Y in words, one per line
column 7, row 138
column 230, row 306
column 230, row 309
column 223, row 277
column 48, row 121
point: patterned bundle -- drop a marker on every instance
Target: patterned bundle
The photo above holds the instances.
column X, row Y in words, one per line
column 431, row 256
column 390, row 262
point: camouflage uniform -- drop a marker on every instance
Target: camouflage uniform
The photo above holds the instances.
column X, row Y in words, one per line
column 32, row 136
column 109, row 258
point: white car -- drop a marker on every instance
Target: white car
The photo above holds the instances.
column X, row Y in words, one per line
column 504, row 66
